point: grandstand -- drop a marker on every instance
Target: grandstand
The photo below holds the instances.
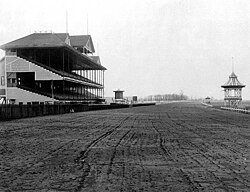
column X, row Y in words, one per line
column 51, row 67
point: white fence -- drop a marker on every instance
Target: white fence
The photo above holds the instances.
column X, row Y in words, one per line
column 209, row 105
column 236, row 110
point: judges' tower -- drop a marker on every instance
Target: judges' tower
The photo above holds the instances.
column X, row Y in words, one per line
column 233, row 91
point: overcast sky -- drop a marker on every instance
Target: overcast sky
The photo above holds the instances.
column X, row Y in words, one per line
column 149, row 46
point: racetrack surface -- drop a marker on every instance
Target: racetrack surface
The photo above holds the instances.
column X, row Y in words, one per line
column 172, row 147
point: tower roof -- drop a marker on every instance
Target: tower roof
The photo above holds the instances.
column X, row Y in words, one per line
column 96, row 59
column 118, row 90
column 233, row 82
column 82, row 41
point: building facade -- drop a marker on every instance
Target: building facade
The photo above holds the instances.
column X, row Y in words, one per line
column 49, row 67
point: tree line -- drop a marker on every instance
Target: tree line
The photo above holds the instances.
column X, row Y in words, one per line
column 166, row 97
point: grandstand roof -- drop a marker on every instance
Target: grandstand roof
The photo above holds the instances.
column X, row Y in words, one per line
column 49, row 40
column 46, row 40
column 35, row 40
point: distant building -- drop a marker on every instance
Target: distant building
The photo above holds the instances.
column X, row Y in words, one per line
column 233, row 91
column 119, row 96
column 48, row 67
column 134, row 99
column 208, row 100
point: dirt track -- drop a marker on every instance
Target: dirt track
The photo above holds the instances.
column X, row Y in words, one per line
column 173, row 147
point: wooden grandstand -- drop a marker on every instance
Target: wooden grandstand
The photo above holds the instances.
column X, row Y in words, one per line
column 48, row 67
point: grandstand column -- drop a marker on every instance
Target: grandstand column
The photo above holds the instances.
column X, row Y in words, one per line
column 83, row 92
column 35, row 54
column 3, row 85
column 88, row 93
column 63, row 75
column 49, row 57
column 52, row 89
column 101, row 77
column 82, row 95
column 103, row 83
column 98, row 75
column 91, row 94
column 95, row 76
column 68, row 59
column 97, row 79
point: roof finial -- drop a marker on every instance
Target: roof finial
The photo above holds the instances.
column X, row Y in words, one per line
column 87, row 24
column 66, row 21
column 233, row 64
column 97, row 48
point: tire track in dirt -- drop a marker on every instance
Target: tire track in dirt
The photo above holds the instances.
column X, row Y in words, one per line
column 81, row 159
column 22, row 172
column 192, row 184
column 142, row 158
column 120, row 146
column 114, row 153
column 65, row 146
column 176, row 129
column 222, row 168
column 120, row 164
column 159, row 148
